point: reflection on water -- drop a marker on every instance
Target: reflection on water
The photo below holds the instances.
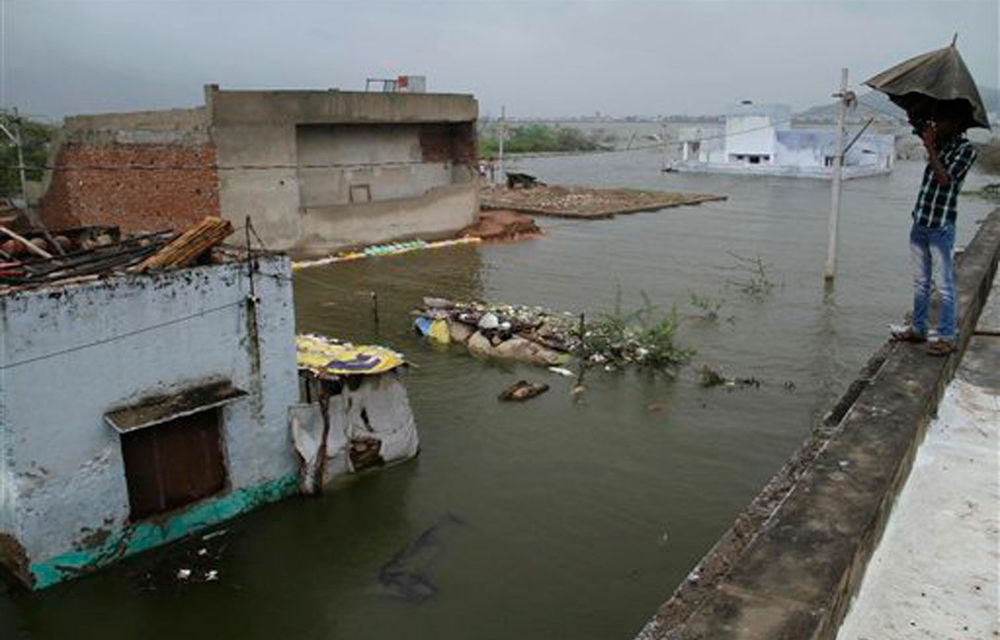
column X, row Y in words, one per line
column 578, row 518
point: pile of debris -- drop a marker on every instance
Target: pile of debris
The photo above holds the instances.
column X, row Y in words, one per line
column 537, row 336
column 532, row 335
column 88, row 253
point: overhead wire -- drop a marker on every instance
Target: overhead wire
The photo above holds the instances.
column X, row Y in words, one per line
column 121, row 336
column 357, row 165
column 392, row 164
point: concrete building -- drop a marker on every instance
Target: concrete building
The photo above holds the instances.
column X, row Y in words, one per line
column 140, row 407
column 316, row 170
column 759, row 140
column 137, row 409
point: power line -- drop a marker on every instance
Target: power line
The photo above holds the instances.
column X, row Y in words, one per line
column 121, row 336
column 364, row 165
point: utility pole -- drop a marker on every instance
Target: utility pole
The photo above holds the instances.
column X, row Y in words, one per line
column 666, row 148
column 830, row 270
column 503, row 127
column 14, row 134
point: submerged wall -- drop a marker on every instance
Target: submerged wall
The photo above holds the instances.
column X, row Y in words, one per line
column 71, row 354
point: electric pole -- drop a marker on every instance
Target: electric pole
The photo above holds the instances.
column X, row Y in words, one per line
column 14, row 134
column 503, row 127
column 830, row 270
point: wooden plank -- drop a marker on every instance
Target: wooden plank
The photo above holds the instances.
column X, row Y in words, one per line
column 27, row 243
column 191, row 244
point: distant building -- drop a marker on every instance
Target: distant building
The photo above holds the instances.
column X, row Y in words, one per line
column 316, row 170
column 759, row 140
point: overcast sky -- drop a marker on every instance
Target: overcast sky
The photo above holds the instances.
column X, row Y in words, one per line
column 539, row 58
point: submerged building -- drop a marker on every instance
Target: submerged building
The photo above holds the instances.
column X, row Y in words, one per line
column 316, row 170
column 138, row 407
column 759, row 140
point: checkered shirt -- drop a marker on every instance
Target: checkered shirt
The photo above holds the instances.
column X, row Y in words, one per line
column 936, row 204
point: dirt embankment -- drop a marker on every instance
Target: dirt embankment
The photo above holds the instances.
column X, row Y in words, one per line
column 500, row 225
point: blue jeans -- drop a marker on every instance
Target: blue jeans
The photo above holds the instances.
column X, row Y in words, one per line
column 927, row 246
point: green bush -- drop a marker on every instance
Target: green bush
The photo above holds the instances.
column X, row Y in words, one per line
column 539, row 138
column 618, row 339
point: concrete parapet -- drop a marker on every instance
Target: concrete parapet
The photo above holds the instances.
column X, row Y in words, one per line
column 165, row 126
column 229, row 108
column 794, row 558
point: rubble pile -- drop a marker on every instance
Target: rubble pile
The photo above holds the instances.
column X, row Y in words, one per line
column 527, row 334
column 538, row 336
column 88, row 253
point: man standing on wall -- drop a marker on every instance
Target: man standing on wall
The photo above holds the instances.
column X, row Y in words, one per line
column 932, row 236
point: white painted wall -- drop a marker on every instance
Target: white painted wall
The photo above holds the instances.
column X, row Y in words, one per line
column 750, row 134
column 71, row 354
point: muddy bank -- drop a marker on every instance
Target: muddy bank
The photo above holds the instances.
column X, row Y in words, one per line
column 581, row 202
column 497, row 225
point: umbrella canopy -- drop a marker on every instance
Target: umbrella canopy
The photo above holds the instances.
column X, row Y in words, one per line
column 921, row 84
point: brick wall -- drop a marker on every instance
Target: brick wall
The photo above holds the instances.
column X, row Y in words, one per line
column 92, row 184
column 448, row 141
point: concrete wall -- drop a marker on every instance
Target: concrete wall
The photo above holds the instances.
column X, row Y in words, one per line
column 434, row 214
column 235, row 108
column 71, row 354
column 749, row 134
column 376, row 162
column 258, row 177
column 269, row 155
column 288, row 159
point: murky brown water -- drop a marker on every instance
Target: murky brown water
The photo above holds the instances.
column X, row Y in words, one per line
column 548, row 518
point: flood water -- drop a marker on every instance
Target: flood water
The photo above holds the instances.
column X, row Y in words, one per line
column 553, row 517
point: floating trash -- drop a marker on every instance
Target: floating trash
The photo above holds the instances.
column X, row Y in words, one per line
column 377, row 250
column 523, row 390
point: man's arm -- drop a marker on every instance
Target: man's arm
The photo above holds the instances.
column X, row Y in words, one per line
column 960, row 164
column 940, row 172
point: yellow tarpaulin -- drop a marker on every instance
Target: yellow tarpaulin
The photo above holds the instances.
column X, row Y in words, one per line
column 324, row 356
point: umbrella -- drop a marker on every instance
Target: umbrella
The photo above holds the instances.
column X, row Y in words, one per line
column 931, row 81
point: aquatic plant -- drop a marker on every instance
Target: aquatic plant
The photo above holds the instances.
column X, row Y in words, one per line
column 708, row 306
column 753, row 279
column 618, row 339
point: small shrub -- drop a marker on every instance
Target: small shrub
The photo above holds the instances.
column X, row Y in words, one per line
column 754, row 279
column 618, row 339
column 709, row 307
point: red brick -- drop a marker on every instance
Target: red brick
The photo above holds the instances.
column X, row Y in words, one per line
column 138, row 187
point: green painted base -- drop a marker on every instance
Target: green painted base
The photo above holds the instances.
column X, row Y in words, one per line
column 154, row 532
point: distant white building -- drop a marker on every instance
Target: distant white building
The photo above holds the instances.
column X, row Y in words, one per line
column 759, row 140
